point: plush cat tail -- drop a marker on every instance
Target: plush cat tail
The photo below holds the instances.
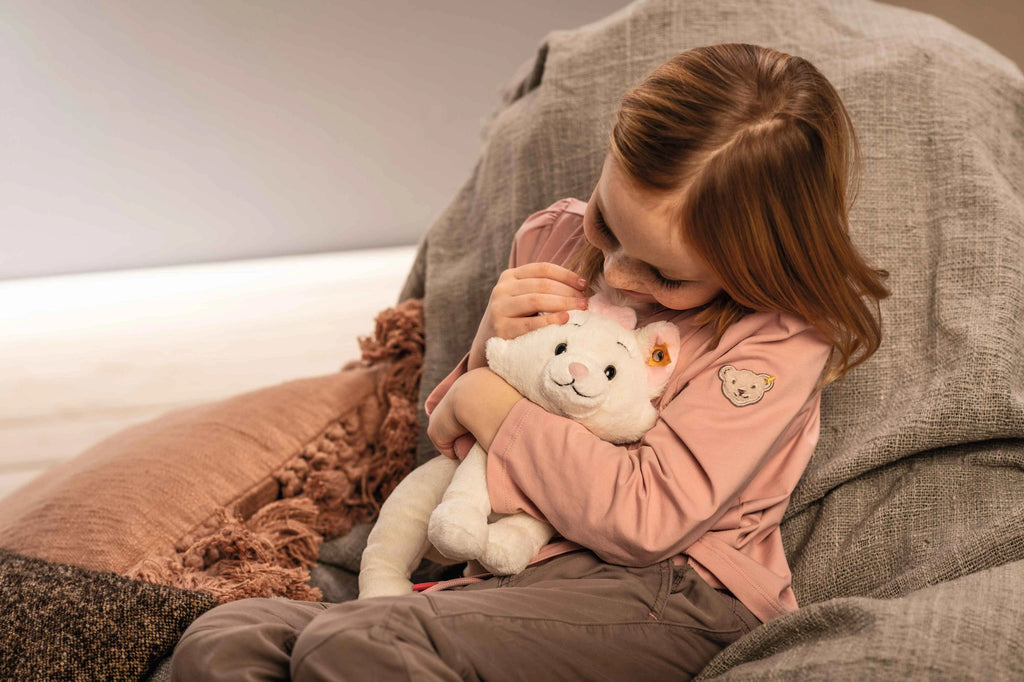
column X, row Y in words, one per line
column 660, row 343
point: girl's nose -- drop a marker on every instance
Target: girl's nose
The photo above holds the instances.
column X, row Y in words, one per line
column 621, row 272
column 578, row 370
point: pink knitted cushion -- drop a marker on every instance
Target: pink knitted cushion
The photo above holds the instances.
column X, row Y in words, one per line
column 252, row 483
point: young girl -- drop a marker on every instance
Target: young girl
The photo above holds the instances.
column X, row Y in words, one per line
column 722, row 206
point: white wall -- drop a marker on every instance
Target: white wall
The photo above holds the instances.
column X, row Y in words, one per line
column 137, row 133
column 152, row 132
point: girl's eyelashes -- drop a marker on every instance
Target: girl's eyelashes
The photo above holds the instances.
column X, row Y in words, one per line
column 669, row 283
column 602, row 227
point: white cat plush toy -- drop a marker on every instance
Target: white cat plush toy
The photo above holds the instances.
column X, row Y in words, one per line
column 597, row 370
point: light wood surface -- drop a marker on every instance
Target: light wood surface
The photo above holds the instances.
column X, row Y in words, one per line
column 84, row 356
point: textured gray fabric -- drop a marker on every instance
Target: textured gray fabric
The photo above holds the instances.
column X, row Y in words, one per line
column 336, row 572
column 917, row 474
column 346, row 551
column 901, row 527
column 964, row 629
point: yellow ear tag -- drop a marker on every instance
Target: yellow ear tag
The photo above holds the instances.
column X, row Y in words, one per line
column 659, row 356
column 768, row 380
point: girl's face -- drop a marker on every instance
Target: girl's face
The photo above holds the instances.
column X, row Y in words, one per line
column 645, row 255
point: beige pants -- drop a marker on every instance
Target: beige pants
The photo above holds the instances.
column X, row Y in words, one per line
column 571, row 618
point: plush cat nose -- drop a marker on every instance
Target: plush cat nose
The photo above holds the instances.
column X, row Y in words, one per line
column 578, row 370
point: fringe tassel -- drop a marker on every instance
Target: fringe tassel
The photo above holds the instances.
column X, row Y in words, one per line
column 335, row 482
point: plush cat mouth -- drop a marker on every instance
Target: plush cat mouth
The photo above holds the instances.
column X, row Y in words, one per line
column 572, row 385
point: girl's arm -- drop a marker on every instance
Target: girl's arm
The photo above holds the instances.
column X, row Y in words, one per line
column 637, row 505
column 520, row 295
column 526, row 288
column 475, row 403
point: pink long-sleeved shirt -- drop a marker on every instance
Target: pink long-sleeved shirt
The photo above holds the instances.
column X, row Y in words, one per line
column 709, row 483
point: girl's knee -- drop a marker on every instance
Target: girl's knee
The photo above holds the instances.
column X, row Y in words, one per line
column 232, row 613
column 347, row 620
column 246, row 630
column 382, row 636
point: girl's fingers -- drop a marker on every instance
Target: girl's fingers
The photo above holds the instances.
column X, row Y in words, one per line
column 524, row 292
column 540, row 285
column 521, row 325
column 549, row 271
column 527, row 305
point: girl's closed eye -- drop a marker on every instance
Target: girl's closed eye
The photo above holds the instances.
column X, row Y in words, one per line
column 669, row 283
column 603, row 228
column 663, row 281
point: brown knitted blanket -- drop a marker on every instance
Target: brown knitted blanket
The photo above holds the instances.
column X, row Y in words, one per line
column 62, row 622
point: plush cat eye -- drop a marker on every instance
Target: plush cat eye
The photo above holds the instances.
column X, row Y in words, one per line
column 561, row 348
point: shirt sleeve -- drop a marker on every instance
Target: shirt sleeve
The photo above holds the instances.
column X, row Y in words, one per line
column 528, row 240
column 635, row 505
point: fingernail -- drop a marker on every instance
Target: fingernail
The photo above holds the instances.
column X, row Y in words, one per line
column 581, row 283
column 582, row 303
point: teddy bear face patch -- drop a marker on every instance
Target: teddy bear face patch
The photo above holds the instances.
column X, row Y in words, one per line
column 743, row 387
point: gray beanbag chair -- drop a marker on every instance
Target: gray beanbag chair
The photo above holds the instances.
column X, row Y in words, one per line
column 906, row 535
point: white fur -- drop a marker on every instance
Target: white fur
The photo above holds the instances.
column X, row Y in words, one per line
column 571, row 381
column 616, row 410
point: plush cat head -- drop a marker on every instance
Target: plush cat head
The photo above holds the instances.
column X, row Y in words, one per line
column 594, row 369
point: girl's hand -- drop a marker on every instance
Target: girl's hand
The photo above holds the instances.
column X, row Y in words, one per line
column 444, row 427
column 517, row 298
column 476, row 404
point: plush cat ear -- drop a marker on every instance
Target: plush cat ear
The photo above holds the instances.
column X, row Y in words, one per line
column 519, row 361
column 660, row 343
column 499, row 355
column 599, row 303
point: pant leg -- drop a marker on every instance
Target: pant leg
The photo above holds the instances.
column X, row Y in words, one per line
column 248, row 640
column 573, row 618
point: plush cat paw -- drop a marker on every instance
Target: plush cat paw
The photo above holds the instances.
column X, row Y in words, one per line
column 508, row 550
column 457, row 531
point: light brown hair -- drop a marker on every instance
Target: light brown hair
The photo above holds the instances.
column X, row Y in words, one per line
column 763, row 154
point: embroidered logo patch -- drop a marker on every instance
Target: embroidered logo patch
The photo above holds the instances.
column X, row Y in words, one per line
column 744, row 387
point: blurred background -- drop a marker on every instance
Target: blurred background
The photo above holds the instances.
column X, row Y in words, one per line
column 138, row 134
column 204, row 197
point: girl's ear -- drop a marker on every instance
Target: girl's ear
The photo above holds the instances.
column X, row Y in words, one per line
column 660, row 343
